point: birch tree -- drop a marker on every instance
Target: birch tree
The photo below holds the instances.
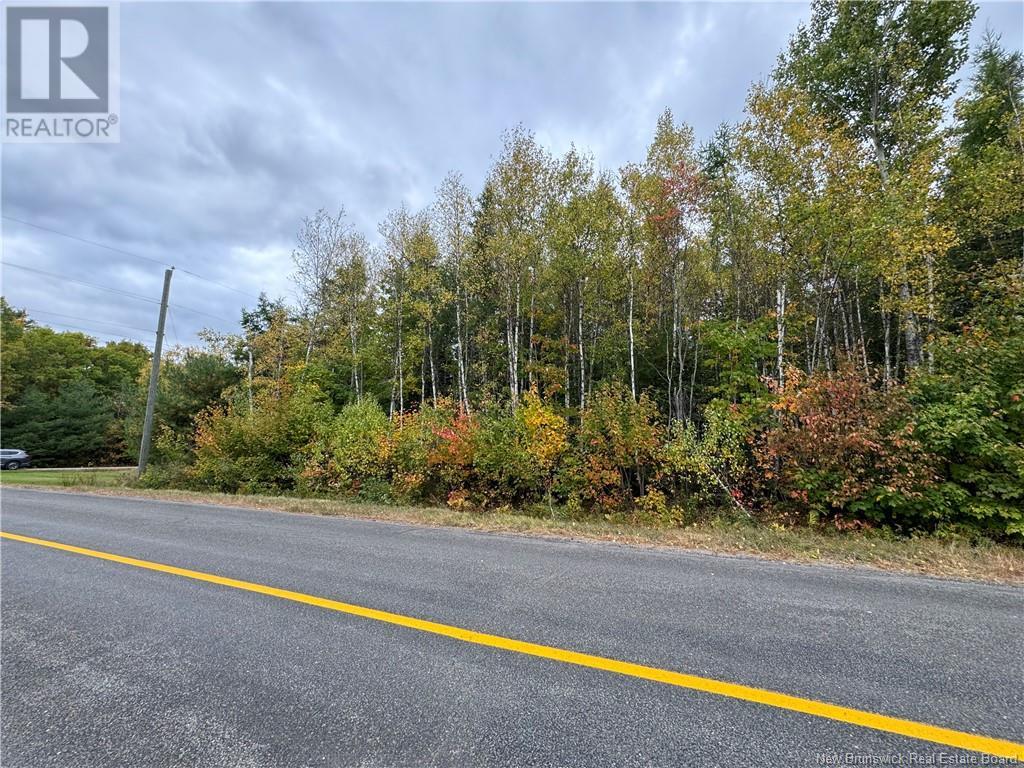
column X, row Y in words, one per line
column 396, row 232
column 317, row 258
column 518, row 184
column 453, row 211
column 883, row 68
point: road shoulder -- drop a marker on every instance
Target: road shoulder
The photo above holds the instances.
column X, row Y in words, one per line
column 926, row 556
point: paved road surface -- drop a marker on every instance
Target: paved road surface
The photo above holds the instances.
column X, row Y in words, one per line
column 105, row 664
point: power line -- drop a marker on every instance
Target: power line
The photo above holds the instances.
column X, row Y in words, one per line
column 84, row 240
column 123, row 252
column 99, row 331
column 118, row 291
column 219, row 284
column 200, row 312
column 88, row 320
column 170, row 316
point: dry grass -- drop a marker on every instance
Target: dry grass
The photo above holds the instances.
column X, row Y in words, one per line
column 923, row 555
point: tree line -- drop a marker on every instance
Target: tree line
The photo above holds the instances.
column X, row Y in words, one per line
column 69, row 401
column 813, row 315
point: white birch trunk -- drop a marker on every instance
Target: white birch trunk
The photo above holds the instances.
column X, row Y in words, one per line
column 780, row 331
column 632, row 342
column 579, row 333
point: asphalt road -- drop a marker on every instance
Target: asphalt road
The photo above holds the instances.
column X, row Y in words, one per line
column 105, row 664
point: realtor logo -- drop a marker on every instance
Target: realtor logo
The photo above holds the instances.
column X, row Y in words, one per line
column 61, row 73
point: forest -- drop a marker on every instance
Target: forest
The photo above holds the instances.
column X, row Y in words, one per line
column 813, row 317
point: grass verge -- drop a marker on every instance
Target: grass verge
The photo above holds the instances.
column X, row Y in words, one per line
column 67, row 478
column 984, row 561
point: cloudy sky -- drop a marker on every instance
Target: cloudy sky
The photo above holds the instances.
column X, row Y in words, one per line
column 239, row 119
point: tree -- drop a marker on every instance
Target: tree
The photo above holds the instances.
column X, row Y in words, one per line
column 259, row 319
column 517, row 185
column 667, row 192
column 397, row 231
column 883, row 68
column 584, row 226
column 990, row 114
column 317, row 259
column 49, row 376
column 427, row 299
column 350, row 310
column 453, row 213
column 75, row 426
column 982, row 189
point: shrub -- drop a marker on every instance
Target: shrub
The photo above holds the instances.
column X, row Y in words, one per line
column 415, row 438
column 547, row 437
column 618, row 451
column 506, row 470
column 840, row 447
column 715, row 460
column 265, row 450
column 450, row 462
column 516, row 456
column 170, row 461
column 652, row 507
column 350, row 450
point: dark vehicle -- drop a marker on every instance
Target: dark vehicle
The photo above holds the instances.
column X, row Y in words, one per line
column 14, row 458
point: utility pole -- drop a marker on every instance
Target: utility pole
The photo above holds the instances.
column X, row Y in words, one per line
column 154, row 375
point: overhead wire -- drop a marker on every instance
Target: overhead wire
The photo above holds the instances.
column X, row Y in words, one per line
column 183, row 308
column 99, row 331
column 84, row 240
column 123, row 252
column 117, row 291
column 88, row 320
column 56, row 276
column 174, row 331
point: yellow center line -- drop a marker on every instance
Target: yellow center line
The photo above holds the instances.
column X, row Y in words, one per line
column 915, row 730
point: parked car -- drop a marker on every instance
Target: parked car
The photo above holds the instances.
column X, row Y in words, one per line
column 14, row 458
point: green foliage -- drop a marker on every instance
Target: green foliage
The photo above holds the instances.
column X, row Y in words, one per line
column 40, row 358
column 984, row 180
column 505, row 468
column 64, row 397
column 243, row 452
column 970, row 412
column 713, row 461
column 731, row 350
column 988, row 114
column 74, row 427
column 883, row 67
column 349, row 450
column 171, row 463
column 618, row 450
column 190, row 382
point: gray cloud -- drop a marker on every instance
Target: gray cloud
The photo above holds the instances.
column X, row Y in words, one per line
column 239, row 119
